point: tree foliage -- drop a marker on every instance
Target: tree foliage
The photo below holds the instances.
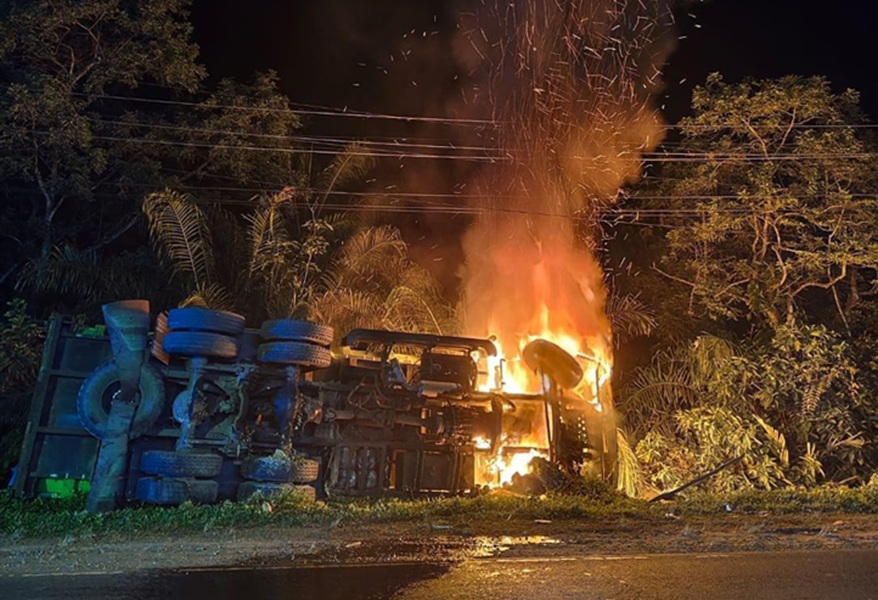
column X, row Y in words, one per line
column 61, row 61
column 372, row 283
column 766, row 243
column 783, row 198
column 101, row 103
column 21, row 349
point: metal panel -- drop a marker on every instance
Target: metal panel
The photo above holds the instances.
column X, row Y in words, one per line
column 55, row 445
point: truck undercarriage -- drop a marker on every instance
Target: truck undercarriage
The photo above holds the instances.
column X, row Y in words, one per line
column 205, row 410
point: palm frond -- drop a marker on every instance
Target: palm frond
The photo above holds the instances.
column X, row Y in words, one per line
column 350, row 165
column 346, row 309
column 371, row 248
column 706, row 352
column 212, row 296
column 179, row 229
column 406, row 309
column 629, row 317
column 630, row 478
column 657, row 391
column 263, row 231
column 66, row 270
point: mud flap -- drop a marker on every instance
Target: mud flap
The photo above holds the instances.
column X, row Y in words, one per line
column 127, row 325
column 111, row 466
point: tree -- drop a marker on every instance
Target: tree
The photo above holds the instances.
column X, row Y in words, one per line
column 767, row 234
column 778, row 178
column 21, row 349
column 288, row 257
column 102, row 103
column 62, row 60
column 793, row 406
column 372, row 283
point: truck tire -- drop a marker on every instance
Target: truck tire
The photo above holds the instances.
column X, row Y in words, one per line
column 267, row 469
column 169, row 492
column 304, row 470
column 181, row 464
column 267, row 490
column 551, row 359
column 297, row 331
column 202, row 319
column 165, row 492
column 274, row 470
column 200, row 343
column 201, row 491
column 294, row 353
column 99, row 388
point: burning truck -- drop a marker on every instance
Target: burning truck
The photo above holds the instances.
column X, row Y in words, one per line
column 205, row 409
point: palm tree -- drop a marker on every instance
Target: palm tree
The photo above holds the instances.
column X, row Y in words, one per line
column 290, row 257
column 372, row 283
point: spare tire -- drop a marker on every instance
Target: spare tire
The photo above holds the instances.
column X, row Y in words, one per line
column 200, row 343
column 297, row 331
column 202, row 319
column 304, row 470
column 294, row 353
column 97, row 393
column 273, row 469
column 201, row 491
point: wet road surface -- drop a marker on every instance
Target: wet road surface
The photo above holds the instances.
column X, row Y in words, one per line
column 802, row 575
column 361, row 582
column 818, row 575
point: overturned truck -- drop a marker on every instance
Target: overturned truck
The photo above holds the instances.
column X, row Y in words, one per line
column 204, row 409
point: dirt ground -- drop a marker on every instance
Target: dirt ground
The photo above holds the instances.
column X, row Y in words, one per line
column 437, row 542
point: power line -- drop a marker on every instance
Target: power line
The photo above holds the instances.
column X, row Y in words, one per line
column 345, row 113
column 391, row 148
column 328, row 140
column 647, row 157
column 306, row 112
column 252, row 148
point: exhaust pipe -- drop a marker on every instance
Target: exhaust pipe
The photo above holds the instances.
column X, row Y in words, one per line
column 127, row 325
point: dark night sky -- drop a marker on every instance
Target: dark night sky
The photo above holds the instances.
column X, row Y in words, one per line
column 331, row 51
column 338, row 53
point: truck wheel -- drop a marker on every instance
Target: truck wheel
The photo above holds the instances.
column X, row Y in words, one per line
column 294, row 353
column 552, row 360
column 297, row 331
column 280, row 470
column 166, row 492
column 267, row 468
column 200, row 343
column 202, row 319
column 267, row 490
column 201, row 491
column 181, row 464
column 304, row 470
column 97, row 392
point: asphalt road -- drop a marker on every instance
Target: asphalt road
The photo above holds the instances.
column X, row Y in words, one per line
column 823, row 575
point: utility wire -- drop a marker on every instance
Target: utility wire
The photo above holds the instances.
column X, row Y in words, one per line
column 345, row 113
column 386, row 153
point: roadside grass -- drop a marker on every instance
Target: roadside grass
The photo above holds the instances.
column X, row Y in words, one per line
column 43, row 518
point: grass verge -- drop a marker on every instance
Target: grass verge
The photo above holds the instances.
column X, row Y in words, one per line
column 43, row 518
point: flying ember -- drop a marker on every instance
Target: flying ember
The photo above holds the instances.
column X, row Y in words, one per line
column 569, row 88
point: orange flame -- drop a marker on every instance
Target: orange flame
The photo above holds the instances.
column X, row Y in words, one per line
column 532, row 290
